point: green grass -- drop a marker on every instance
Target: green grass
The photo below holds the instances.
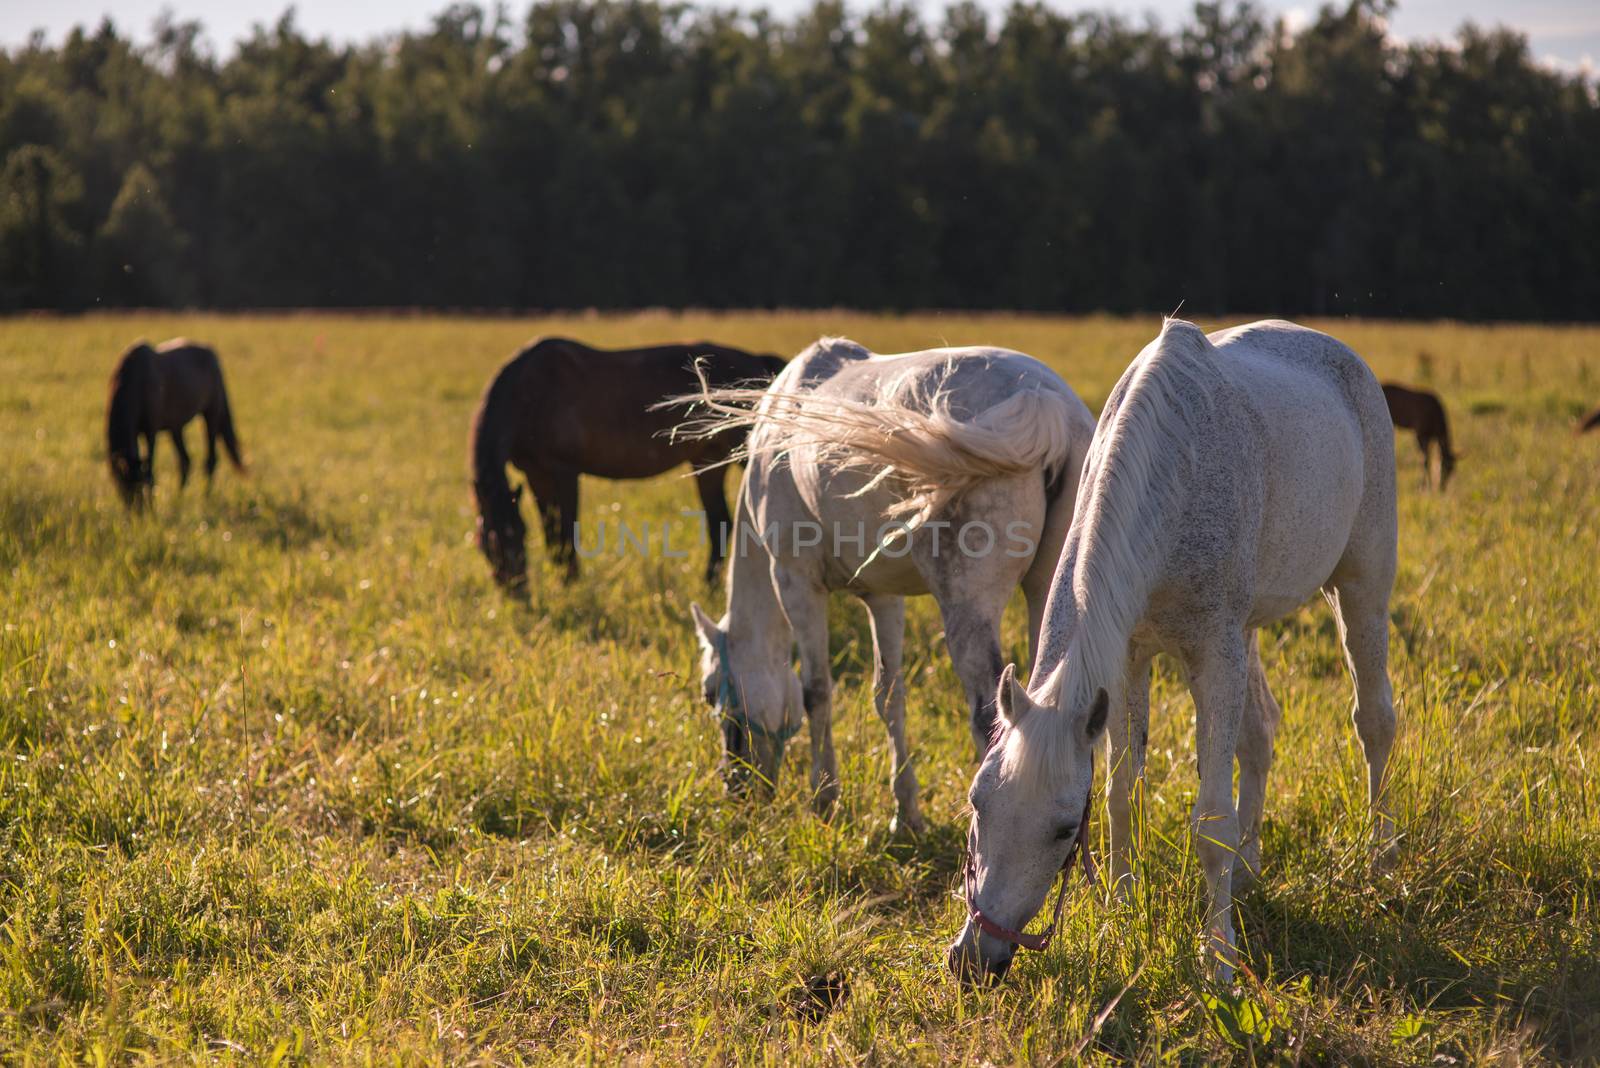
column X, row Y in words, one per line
column 283, row 777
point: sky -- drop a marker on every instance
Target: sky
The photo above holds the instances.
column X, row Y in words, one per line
column 1564, row 33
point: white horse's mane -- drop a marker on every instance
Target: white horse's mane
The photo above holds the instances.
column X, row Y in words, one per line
column 904, row 432
column 1134, row 484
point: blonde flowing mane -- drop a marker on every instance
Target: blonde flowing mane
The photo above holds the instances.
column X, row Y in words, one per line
column 906, row 433
column 1134, row 485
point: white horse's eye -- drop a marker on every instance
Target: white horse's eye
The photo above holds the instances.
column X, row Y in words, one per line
column 1066, row 832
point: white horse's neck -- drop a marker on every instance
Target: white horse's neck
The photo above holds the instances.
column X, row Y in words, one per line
column 1135, row 485
column 755, row 617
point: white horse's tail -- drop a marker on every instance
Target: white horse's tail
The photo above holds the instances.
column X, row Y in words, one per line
column 907, row 435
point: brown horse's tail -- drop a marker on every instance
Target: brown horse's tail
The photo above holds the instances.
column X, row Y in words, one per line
column 222, row 421
column 124, row 412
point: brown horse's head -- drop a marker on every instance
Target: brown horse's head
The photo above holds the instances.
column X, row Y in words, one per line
column 131, row 477
column 501, row 533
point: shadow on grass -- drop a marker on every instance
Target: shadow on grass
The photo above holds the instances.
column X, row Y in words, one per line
column 1553, row 986
column 37, row 520
column 278, row 520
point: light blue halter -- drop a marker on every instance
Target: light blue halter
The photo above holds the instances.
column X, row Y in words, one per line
column 732, row 706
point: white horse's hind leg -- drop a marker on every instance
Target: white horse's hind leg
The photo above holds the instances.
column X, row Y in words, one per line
column 1218, row 678
column 1128, row 730
column 888, row 615
column 806, row 605
column 1256, row 733
column 1364, row 630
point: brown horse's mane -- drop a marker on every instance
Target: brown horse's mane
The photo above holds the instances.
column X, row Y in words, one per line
column 123, row 414
column 489, row 445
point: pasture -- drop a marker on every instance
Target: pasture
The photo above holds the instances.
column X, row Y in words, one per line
column 284, row 777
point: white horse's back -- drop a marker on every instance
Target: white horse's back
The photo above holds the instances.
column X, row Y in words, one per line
column 1325, row 447
column 931, row 427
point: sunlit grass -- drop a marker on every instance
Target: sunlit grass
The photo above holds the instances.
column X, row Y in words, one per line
column 283, row 776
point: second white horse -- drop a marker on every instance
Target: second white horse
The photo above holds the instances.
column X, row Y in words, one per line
column 951, row 472
column 1231, row 478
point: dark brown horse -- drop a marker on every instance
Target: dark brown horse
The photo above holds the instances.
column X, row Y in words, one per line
column 1588, row 422
column 1423, row 412
column 559, row 409
column 161, row 389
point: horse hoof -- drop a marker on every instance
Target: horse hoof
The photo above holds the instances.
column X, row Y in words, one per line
column 909, row 824
column 823, row 803
column 1246, row 872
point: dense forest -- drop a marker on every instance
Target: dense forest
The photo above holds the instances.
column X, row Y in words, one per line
column 628, row 153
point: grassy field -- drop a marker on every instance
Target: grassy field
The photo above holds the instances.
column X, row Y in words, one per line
column 283, row 778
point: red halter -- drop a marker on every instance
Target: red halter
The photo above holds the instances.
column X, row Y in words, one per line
column 1040, row 941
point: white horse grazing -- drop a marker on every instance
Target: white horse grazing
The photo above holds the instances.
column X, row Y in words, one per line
column 1230, row 478
column 951, row 472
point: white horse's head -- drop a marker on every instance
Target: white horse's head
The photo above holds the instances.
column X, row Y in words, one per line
column 1029, row 800
column 756, row 696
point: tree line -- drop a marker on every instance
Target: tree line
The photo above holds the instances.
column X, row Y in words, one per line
column 624, row 153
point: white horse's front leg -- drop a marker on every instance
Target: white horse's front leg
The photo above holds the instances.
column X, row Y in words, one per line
column 972, row 591
column 1218, row 677
column 888, row 615
column 1129, row 733
column 806, row 605
column 972, row 634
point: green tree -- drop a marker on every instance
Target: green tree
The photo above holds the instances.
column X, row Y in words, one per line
column 139, row 252
column 39, row 248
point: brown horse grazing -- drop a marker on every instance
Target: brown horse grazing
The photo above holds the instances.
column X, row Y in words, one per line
column 559, row 409
column 161, row 389
column 1422, row 411
column 1588, row 422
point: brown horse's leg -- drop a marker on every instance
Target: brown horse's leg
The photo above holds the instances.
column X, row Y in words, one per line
column 1424, row 442
column 147, row 476
column 715, row 503
column 547, row 499
column 183, row 456
column 211, row 452
column 566, row 483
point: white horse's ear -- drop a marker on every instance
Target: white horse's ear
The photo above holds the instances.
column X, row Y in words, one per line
column 1097, row 715
column 705, row 627
column 1012, row 699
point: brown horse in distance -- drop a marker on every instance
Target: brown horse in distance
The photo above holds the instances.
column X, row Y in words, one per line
column 160, row 389
column 1588, row 422
column 1422, row 411
column 560, row 409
